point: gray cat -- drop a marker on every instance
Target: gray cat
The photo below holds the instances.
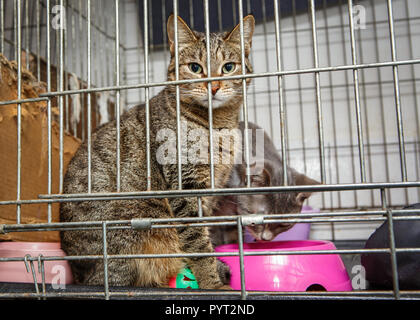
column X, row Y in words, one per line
column 225, row 50
column 271, row 174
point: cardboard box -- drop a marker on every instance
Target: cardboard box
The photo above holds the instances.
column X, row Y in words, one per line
column 77, row 128
column 34, row 153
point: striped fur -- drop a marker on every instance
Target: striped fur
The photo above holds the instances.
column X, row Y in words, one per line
column 194, row 113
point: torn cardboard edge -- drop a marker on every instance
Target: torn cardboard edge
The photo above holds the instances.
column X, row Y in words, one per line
column 34, row 153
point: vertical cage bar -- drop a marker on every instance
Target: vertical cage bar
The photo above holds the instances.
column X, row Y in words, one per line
column 146, row 92
column 49, row 116
column 140, row 49
column 2, row 26
column 253, row 88
column 391, row 235
column 56, row 53
column 150, row 49
column 94, row 52
column 318, row 92
column 38, row 41
column 118, row 93
column 191, row 7
column 65, row 65
column 102, row 43
column 241, row 258
column 32, row 25
column 332, row 226
column 333, row 115
column 357, row 95
column 74, row 63
column 41, row 270
column 200, row 207
column 19, row 107
column 105, row 259
column 397, row 94
column 244, row 93
column 124, row 58
column 165, row 46
column 32, row 267
column 178, row 106
column 267, row 66
column 108, row 74
column 287, row 141
column 280, row 90
column 417, row 160
column 219, row 15
column 15, row 26
column 365, row 112
column 347, row 97
column 248, row 6
column 299, row 83
column 414, row 85
column 89, row 102
column 27, row 33
column 60, row 98
column 81, row 47
column 209, row 92
column 234, row 17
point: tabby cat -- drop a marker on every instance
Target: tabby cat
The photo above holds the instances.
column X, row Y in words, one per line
column 225, row 52
column 271, row 174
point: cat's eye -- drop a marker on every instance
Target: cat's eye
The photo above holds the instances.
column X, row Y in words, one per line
column 228, row 67
column 195, row 68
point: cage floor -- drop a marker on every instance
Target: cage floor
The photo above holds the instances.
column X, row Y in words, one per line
column 27, row 290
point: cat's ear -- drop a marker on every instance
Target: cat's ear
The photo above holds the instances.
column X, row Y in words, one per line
column 262, row 179
column 185, row 34
column 301, row 179
column 302, row 196
column 235, row 34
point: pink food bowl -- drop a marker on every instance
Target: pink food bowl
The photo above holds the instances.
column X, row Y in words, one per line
column 57, row 271
column 288, row 272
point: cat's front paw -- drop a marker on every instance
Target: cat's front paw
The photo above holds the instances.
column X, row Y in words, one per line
column 224, row 272
column 225, row 287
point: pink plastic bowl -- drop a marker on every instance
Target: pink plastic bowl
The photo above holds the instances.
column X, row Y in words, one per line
column 57, row 271
column 301, row 272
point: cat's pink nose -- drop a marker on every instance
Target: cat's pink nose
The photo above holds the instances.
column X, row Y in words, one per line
column 215, row 86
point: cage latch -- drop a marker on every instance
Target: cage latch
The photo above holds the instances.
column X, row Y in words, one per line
column 141, row 224
column 252, row 219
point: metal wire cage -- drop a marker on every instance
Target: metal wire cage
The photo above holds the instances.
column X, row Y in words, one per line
column 334, row 84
